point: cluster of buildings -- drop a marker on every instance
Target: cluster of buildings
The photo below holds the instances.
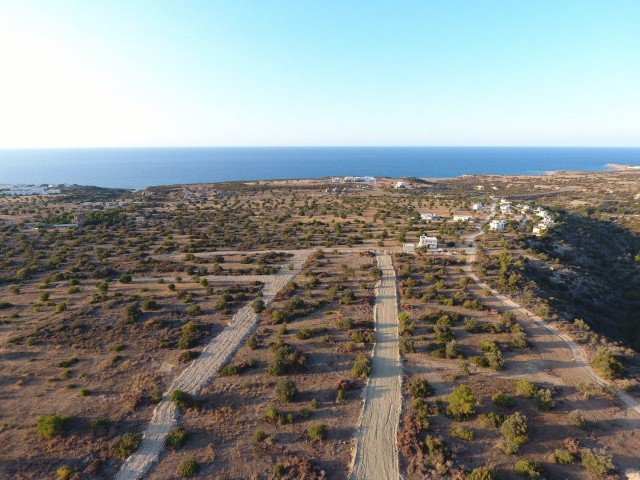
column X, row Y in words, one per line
column 365, row 179
column 24, row 190
column 506, row 207
column 88, row 206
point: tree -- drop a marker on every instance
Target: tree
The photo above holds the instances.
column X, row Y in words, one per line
column 461, row 403
column 515, row 432
column 287, row 390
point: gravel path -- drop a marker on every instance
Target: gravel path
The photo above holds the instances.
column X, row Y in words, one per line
column 376, row 453
column 201, row 370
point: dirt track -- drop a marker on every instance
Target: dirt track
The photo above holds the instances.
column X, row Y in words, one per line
column 194, row 377
column 376, row 453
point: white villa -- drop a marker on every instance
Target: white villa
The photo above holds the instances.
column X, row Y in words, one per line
column 477, row 206
column 429, row 242
column 462, row 218
column 498, row 225
column 400, row 185
column 429, row 217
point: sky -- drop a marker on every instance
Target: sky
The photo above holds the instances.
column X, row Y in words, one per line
column 319, row 73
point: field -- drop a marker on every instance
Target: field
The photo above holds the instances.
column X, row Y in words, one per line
column 99, row 323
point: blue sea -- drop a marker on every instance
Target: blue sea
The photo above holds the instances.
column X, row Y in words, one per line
column 142, row 167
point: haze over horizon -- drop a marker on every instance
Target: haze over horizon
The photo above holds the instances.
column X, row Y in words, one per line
column 285, row 73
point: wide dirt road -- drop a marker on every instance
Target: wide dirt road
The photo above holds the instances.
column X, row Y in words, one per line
column 194, row 377
column 376, row 455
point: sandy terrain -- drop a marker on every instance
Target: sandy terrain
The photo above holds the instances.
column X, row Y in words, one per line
column 200, row 372
column 376, row 454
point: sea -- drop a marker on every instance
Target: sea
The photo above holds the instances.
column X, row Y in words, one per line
column 136, row 168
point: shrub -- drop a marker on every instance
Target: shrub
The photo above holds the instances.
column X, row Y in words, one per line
column 481, row 473
column 176, row 438
column 228, row 370
column 181, row 399
column 258, row 305
column 150, row 305
column 286, row 359
column 52, row 425
column 193, row 310
column 287, row 390
column 68, row 363
column 73, row 290
column 317, row 432
column 61, row 307
column 596, row 461
column 125, row 279
column 129, row 443
column 252, row 342
column 528, row 469
column 545, row 399
column 576, row 418
column 361, row 367
column 491, row 419
column 420, row 389
column 515, row 432
column 278, row 470
column 502, row 400
column 607, row 364
column 525, row 388
column 495, row 359
column 461, row 403
column 451, row 350
column 188, row 468
column 519, row 340
column 131, row 312
column 562, row 456
column 344, row 323
column 189, row 336
column 406, row 345
column 461, row 433
column 259, row 436
column 65, row 473
column 84, row 392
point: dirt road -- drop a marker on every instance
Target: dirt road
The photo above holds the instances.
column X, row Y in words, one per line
column 376, row 453
column 196, row 376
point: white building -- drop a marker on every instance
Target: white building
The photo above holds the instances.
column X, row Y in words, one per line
column 429, row 217
column 462, row 218
column 400, row 185
column 429, row 242
column 498, row 225
column 477, row 206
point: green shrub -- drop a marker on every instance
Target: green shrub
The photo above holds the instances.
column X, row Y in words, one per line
column 596, row 461
column 528, row 469
column 285, row 360
column 361, row 367
column 190, row 335
column 258, row 305
column 491, row 419
column 525, row 388
column 545, row 399
column 125, row 279
column 461, row 433
column 73, row 290
column 65, row 473
column 461, row 403
column 52, row 425
column 150, row 305
column 607, row 364
column 228, row 370
column 406, row 345
column 287, row 390
column 317, row 432
column 188, row 468
column 176, row 438
column 481, row 473
column 129, row 443
column 84, row 392
column 576, row 418
column 193, row 310
column 182, row 399
column 502, row 400
column 562, row 456
column 252, row 342
column 259, row 436
column 279, row 470
column 515, row 432
column 68, row 363
column 420, row 388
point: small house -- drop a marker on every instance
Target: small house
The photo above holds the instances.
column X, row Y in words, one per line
column 498, row 225
column 429, row 243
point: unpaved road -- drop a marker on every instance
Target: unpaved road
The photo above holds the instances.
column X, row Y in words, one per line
column 196, row 375
column 376, row 454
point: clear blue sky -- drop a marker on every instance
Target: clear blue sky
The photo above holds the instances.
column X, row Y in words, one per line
column 302, row 72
